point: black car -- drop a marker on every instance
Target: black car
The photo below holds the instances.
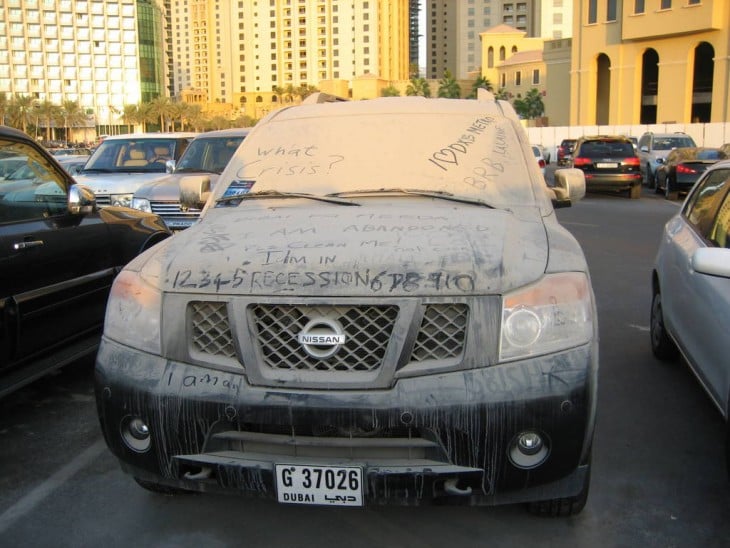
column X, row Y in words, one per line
column 610, row 163
column 682, row 168
column 59, row 254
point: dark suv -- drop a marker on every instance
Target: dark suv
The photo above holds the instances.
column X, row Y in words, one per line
column 58, row 257
column 609, row 163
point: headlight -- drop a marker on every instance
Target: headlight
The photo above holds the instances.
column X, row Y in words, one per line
column 123, row 200
column 142, row 204
column 133, row 313
column 553, row 314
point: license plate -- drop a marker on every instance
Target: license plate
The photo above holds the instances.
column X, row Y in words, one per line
column 324, row 485
column 606, row 165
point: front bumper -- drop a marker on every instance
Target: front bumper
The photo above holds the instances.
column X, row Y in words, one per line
column 438, row 438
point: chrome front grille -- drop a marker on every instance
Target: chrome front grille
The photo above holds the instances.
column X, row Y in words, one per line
column 103, row 199
column 442, row 333
column 367, row 328
column 173, row 208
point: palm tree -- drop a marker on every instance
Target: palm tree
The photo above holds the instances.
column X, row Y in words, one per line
column 130, row 116
column 3, row 107
column 449, row 87
column 178, row 109
column 480, row 82
column 20, row 111
column 145, row 114
column 304, row 91
column 418, row 86
column 531, row 106
column 49, row 112
column 73, row 115
column 390, row 91
column 194, row 117
column 161, row 107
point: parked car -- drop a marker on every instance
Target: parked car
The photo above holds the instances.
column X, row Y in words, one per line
column 122, row 163
column 58, row 257
column 72, row 151
column 565, row 151
column 682, row 167
column 208, row 154
column 690, row 310
column 654, row 148
column 609, row 163
column 73, row 164
column 538, row 153
column 342, row 331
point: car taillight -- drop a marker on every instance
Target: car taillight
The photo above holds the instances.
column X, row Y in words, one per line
column 681, row 168
column 579, row 161
column 541, row 162
column 632, row 162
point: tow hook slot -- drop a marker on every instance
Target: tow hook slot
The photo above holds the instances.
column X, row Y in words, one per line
column 451, row 488
column 203, row 474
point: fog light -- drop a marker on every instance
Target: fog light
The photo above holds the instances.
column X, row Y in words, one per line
column 528, row 450
column 136, row 434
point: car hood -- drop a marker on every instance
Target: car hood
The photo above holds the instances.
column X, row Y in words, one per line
column 116, row 183
column 167, row 188
column 386, row 247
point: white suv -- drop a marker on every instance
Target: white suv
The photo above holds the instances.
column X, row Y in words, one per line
column 378, row 304
column 653, row 150
column 124, row 162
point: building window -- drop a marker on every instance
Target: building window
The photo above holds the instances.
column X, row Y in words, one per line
column 638, row 7
column 611, row 10
column 592, row 12
column 666, row 4
column 536, row 76
column 518, row 78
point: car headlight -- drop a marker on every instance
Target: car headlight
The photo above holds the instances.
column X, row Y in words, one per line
column 553, row 314
column 143, row 204
column 133, row 313
column 123, row 200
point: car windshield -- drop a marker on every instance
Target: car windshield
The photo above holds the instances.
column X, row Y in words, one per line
column 606, row 149
column 464, row 154
column 125, row 155
column 208, row 154
column 668, row 143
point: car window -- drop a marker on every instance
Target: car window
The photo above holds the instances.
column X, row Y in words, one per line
column 606, row 149
column 705, row 201
column 135, row 154
column 33, row 191
column 668, row 143
column 721, row 228
column 209, row 154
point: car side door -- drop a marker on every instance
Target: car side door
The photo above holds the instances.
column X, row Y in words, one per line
column 54, row 267
column 697, row 304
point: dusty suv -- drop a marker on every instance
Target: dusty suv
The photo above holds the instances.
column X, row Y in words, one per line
column 654, row 148
column 609, row 163
column 208, row 154
column 378, row 304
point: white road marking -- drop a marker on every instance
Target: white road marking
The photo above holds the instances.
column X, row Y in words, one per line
column 639, row 327
column 28, row 503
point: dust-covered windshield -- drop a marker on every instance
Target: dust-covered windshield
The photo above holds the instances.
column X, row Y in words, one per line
column 461, row 153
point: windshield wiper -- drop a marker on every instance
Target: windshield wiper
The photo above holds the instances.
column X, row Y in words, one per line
column 195, row 170
column 441, row 194
column 276, row 194
column 96, row 170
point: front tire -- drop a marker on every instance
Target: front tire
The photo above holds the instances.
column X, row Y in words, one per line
column 662, row 345
column 650, row 179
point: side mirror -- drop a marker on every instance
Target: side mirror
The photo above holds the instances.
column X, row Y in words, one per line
column 81, row 200
column 170, row 166
column 713, row 261
column 660, row 160
column 570, row 186
column 644, row 148
column 194, row 191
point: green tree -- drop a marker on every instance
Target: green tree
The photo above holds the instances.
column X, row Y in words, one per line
column 20, row 111
column 3, row 107
column 304, row 91
column 418, row 86
column 502, row 94
column 49, row 113
column 480, row 82
column 162, row 109
column 73, row 116
column 531, row 106
column 390, row 91
column 449, row 87
column 130, row 116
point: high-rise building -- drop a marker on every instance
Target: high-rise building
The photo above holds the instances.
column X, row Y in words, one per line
column 453, row 29
column 103, row 54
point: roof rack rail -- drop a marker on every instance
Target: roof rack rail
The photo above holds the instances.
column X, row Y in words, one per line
column 321, row 97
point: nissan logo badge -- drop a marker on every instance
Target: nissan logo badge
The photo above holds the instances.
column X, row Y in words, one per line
column 322, row 338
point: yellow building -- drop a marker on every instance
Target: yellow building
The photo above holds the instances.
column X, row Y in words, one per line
column 650, row 61
column 256, row 55
column 498, row 45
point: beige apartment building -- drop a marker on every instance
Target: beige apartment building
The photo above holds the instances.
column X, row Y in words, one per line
column 650, row 62
column 250, row 54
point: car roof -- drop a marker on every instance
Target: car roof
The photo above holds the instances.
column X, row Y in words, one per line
column 232, row 132
column 167, row 135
